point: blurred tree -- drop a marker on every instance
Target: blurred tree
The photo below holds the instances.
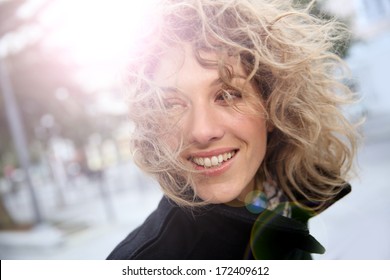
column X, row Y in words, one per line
column 51, row 101
column 7, row 15
column 6, row 221
column 8, row 22
column 44, row 85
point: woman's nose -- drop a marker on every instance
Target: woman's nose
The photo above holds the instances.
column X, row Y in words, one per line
column 205, row 125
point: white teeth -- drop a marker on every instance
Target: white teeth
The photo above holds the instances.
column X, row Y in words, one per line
column 214, row 160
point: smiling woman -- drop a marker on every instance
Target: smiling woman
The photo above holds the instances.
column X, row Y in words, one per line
column 237, row 115
column 224, row 145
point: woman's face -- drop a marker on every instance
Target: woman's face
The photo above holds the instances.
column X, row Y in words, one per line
column 224, row 145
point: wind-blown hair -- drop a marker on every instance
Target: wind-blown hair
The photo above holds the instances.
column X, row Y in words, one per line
column 287, row 54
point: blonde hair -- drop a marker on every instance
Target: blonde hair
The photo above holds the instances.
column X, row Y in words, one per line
column 287, row 54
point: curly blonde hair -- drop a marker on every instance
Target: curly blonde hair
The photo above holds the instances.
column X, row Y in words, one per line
column 287, row 54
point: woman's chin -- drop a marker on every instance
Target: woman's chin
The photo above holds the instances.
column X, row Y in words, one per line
column 230, row 199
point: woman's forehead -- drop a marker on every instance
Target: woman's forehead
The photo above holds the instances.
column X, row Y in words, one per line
column 184, row 60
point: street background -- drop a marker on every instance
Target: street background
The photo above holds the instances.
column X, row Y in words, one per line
column 68, row 187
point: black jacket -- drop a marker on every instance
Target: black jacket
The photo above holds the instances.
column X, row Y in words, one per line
column 219, row 232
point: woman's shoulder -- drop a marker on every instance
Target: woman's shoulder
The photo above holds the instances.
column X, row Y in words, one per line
column 167, row 233
column 173, row 232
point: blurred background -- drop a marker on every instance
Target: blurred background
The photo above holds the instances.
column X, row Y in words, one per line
column 68, row 187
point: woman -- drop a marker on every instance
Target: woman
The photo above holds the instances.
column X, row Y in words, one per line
column 236, row 112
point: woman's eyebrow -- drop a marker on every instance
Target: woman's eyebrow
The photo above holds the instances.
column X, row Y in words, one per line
column 215, row 83
column 170, row 90
column 236, row 78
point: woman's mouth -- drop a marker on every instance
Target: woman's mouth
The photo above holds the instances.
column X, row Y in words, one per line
column 213, row 161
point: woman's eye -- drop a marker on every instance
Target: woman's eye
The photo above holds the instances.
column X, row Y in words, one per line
column 174, row 103
column 228, row 95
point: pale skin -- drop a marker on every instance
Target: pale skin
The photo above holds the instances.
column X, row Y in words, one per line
column 225, row 146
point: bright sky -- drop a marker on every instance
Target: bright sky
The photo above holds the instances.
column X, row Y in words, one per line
column 96, row 33
column 96, row 30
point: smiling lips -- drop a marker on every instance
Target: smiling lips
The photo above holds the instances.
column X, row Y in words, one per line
column 213, row 161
